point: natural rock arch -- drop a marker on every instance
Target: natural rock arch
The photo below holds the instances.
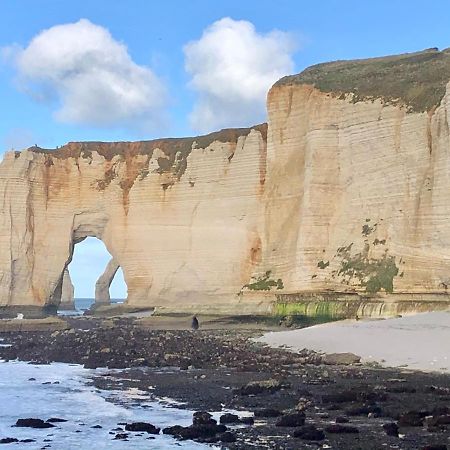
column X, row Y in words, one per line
column 151, row 203
column 85, row 225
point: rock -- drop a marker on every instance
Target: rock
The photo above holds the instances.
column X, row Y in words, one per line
column 262, row 387
column 227, row 437
column 436, row 421
column 287, row 321
column 104, row 282
column 203, row 418
column 342, row 419
column 8, row 440
column 354, row 396
column 247, row 420
column 33, row 423
column 391, row 429
column 345, row 359
column 96, row 427
column 364, row 410
column 340, row 397
column 121, row 436
column 174, row 430
column 309, row 433
column 435, row 447
column 411, row 419
column 267, row 412
column 142, row 427
column 229, row 418
column 56, row 420
column 291, row 420
column 195, row 431
column 341, row 429
column 67, row 291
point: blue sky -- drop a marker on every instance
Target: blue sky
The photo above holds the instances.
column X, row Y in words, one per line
column 183, row 77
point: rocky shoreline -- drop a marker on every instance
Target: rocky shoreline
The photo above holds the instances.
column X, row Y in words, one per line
column 303, row 400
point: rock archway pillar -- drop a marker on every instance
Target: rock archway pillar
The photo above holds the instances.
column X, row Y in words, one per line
column 67, row 292
column 104, row 282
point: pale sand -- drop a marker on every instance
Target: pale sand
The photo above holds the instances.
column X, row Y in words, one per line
column 418, row 342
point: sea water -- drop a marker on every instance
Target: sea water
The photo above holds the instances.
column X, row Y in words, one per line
column 83, row 304
column 65, row 391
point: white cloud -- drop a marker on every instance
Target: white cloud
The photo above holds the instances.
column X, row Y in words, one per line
column 90, row 76
column 232, row 66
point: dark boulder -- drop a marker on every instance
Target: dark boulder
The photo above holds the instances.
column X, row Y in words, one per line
column 173, row 430
column 142, row 427
column 121, row 436
column 200, row 431
column 342, row 419
column 267, row 412
column 8, row 440
column 341, row 429
column 263, row 387
column 436, row 421
column 340, row 397
column 247, row 420
column 391, row 429
column 33, row 423
column 364, row 410
column 56, row 420
column 412, row 419
column 291, row 420
column 203, row 418
column 229, row 418
column 227, row 437
column 309, row 433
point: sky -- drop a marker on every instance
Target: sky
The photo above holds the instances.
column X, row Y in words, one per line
column 137, row 69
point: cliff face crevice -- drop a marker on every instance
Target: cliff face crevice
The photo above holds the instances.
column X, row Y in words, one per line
column 346, row 190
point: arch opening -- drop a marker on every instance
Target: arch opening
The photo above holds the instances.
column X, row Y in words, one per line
column 87, row 269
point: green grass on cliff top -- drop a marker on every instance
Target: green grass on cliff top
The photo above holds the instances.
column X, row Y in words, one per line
column 416, row 80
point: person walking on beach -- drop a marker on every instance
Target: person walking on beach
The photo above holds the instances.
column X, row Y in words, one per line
column 194, row 324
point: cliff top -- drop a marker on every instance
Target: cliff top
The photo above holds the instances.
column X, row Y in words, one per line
column 416, row 80
column 170, row 146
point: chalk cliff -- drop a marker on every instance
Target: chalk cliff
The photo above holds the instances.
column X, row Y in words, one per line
column 181, row 217
column 345, row 191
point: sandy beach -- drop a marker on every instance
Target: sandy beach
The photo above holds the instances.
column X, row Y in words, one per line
column 418, row 342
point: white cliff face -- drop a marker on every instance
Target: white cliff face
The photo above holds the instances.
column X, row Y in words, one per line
column 181, row 219
column 356, row 194
column 342, row 196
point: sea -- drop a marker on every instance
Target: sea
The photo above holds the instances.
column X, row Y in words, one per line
column 83, row 304
column 66, row 391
